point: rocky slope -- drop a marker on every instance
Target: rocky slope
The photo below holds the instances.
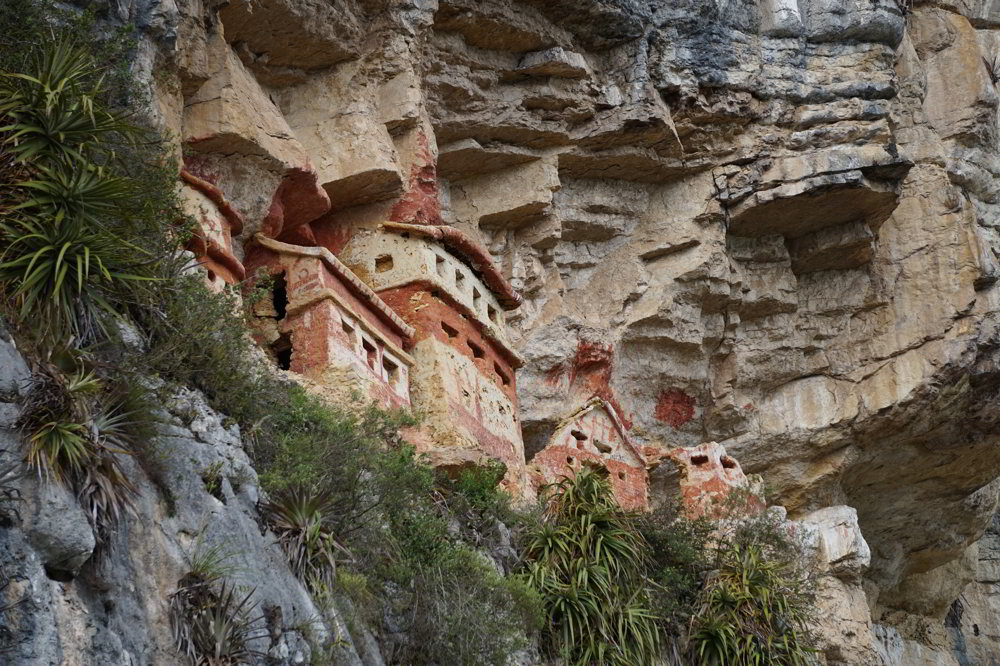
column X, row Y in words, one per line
column 768, row 223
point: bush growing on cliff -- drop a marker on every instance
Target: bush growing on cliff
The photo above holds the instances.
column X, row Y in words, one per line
column 620, row 588
column 78, row 226
column 588, row 563
column 757, row 600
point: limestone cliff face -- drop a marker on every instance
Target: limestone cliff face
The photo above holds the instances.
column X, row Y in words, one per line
column 768, row 223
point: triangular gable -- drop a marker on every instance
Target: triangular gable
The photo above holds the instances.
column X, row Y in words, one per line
column 597, row 403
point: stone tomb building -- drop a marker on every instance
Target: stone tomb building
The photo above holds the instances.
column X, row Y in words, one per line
column 463, row 378
column 594, row 435
column 324, row 323
column 708, row 475
column 216, row 223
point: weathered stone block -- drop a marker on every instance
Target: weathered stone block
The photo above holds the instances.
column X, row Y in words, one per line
column 509, row 198
column 556, row 62
column 848, row 246
column 836, row 536
column 305, row 34
column 230, row 113
column 352, row 151
column 467, row 158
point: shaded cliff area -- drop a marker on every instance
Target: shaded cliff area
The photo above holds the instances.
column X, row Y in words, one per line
column 604, row 232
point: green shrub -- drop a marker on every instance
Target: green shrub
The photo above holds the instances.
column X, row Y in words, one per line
column 77, row 429
column 758, row 599
column 588, row 563
column 679, row 559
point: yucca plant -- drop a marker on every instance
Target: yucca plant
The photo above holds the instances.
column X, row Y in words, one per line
column 60, row 111
column 63, row 260
column 587, row 562
column 752, row 611
column 299, row 518
column 214, row 628
column 76, row 433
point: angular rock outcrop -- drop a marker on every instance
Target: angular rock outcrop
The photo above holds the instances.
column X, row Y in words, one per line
column 771, row 224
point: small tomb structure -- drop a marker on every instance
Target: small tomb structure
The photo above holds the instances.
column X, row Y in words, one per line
column 593, row 435
column 324, row 323
column 463, row 380
column 708, row 475
column 216, row 223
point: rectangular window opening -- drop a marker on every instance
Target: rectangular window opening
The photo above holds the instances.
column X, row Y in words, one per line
column 391, row 369
column 279, row 295
column 491, row 312
column 477, row 298
column 439, row 265
column 477, row 351
column 501, row 374
column 459, row 279
column 383, row 263
column 371, row 353
column 452, row 332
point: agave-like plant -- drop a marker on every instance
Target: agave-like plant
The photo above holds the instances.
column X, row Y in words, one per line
column 76, row 433
column 221, row 632
column 587, row 562
column 751, row 612
column 62, row 258
column 299, row 517
column 214, row 628
column 56, row 112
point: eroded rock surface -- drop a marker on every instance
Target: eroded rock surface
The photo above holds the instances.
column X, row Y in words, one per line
column 767, row 223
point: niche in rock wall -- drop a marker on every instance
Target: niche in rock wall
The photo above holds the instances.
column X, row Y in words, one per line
column 828, row 218
column 282, row 350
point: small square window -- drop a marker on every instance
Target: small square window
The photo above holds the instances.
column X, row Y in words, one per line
column 477, row 298
column 383, row 263
column 459, row 279
column 477, row 351
column 501, row 374
column 492, row 313
column 451, row 331
column 440, row 265
column 371, row 353
column 391, row 369
column 621, row 475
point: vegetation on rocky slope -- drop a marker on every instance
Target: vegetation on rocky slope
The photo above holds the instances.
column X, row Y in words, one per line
column 443, row 569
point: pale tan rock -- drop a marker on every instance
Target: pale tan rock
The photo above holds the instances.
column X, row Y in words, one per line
column 231, row 113
column 338, row 124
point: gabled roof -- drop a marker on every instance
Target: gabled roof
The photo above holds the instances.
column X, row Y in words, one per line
column 592, row 404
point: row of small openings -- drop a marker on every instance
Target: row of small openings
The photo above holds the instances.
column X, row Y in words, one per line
column 726, row 461
column 477, row 352
column 580, row 438
column 371, row 355
column 441, row 266
column 570, row 460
